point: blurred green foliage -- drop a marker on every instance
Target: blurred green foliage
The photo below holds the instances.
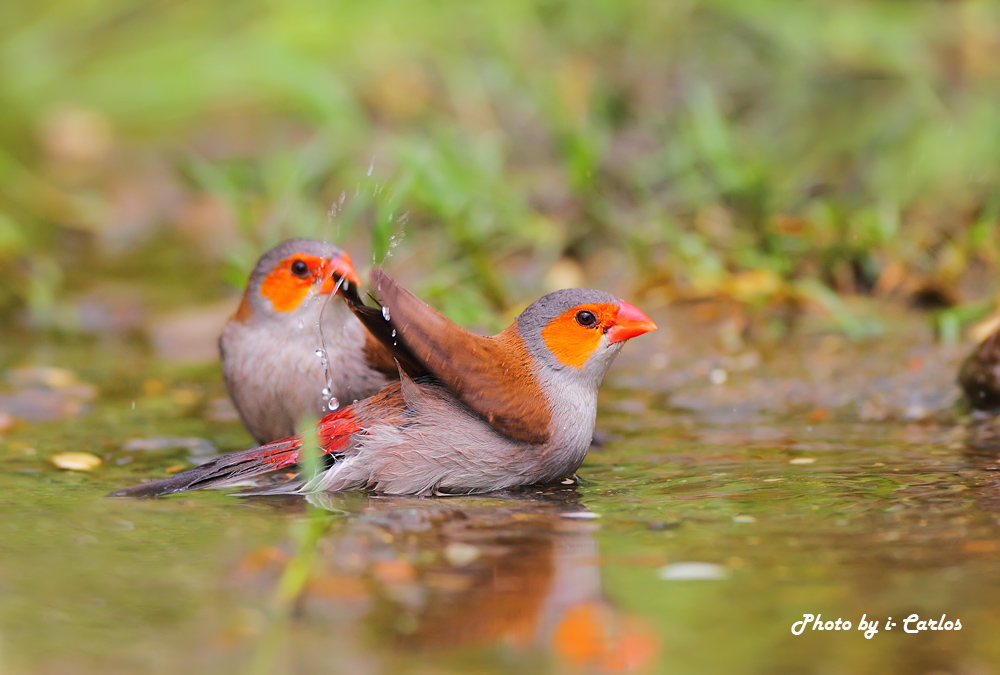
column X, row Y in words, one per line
column 747, row 147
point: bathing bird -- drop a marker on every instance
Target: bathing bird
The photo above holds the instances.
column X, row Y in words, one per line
column 469, row 414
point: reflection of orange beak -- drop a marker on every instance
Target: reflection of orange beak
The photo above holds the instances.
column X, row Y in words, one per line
column 337, row 269
column 629, row 323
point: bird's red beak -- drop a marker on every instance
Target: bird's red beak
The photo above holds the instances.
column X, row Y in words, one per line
column 629, row 323
column 336, row 269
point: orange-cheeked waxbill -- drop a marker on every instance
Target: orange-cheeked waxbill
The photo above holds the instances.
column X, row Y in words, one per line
column 470, row 414
column 288, row 335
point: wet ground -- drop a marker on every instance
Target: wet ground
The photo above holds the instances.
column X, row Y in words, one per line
column 744, row 480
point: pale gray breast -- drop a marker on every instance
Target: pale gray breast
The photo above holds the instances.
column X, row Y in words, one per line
column 276, row 378
column 572, row 397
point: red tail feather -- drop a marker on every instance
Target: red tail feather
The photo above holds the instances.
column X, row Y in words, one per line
column 335, row 432
column 336, row 429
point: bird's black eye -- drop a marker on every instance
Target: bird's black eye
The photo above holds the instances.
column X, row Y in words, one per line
column 585, row 318
column 300, row 269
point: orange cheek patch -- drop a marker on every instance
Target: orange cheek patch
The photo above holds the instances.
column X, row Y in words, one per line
column 285, row 291
column 572, row 343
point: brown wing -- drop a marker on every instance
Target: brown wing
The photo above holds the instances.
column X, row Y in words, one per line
column 492, row 375
column 382, row 349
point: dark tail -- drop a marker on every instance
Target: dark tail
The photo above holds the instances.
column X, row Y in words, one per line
column 232, row 467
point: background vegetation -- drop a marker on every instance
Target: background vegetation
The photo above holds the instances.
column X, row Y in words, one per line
column 771, row 150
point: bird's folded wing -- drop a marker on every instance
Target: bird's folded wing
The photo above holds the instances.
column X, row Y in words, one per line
column 382, row 349
column 492, row 375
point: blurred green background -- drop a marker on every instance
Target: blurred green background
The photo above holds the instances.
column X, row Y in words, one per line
column 793, row 152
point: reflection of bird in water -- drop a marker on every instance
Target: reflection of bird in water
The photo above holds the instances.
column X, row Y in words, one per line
column 982, row 442
column 510, row 568
column 533, row 566
column 981, row 449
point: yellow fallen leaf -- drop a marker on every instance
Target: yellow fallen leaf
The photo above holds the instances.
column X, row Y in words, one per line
column 76, row 461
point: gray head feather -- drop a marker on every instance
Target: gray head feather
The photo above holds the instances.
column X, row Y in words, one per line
column 537, row 316
column 286, row 249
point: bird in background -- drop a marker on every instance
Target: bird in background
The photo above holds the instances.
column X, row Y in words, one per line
column 290, row 349
column 469, row 414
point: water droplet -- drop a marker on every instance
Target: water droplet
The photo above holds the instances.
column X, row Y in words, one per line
column 371, row 167
column 343, row 196
column 393, row 332
column 320, row 354
column 302, row 324
column 333, row 404
column 327, row 392
column 385, row 312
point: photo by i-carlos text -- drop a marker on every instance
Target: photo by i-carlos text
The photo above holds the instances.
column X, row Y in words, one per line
column 911, row 624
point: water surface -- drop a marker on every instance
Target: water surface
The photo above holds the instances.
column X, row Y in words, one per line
column 736, row 489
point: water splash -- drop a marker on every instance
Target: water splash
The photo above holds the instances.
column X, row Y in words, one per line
column 336, row 208
column 330, row 402
column 371, row 167
column 395, row 239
